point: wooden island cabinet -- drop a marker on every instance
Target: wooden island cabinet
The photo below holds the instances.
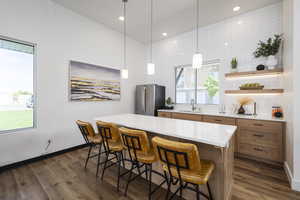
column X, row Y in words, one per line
column 260, row 140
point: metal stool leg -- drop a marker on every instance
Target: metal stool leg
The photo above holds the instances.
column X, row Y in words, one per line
column 150, row 179
column 98, row 163
column 119, row 157
column 104, row 167
column 88, row 157
column 128, row 180
column 168, row 190
column 180, row 191
column 209, row 191
column 197, row 192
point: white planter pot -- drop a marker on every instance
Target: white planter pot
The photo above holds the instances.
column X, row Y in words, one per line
column 234, row 70
column 272, row 62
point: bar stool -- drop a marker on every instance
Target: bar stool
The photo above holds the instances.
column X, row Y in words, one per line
column 112, row 145
column 183, row 164
column 141, row 154
column 92, row 140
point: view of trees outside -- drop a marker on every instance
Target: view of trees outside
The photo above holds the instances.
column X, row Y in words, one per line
column 16, row 89
column 207, row 90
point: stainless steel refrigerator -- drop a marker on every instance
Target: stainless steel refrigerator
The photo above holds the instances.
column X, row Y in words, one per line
column 149, row 98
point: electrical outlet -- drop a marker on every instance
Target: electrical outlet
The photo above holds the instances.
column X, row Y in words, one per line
column 48, row 144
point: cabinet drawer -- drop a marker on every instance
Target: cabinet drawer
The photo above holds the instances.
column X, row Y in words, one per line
column 267, row 153
column 219, row 120
column 191, row 117
column 165, row 114
column 262, row 126
column 260, row 138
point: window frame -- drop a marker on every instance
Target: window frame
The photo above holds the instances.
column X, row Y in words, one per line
column 34, row 82
column 207, row 63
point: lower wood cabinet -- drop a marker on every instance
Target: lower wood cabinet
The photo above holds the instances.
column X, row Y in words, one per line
column 165, row 114
column 260, row 151
column 261, row 139
column 219, row 120
column 255, row 139
column 192, row 117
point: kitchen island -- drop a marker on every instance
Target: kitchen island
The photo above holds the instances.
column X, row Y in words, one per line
column 215, row 143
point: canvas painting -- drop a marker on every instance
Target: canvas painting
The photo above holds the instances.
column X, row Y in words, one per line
column 94, row 83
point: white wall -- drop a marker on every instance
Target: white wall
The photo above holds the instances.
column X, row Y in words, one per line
column 242, row 39
column 296, row 86
column 288, row 84
column 62, row 35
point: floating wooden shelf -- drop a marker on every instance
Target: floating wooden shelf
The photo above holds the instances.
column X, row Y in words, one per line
column 254, row 73
column 264, row 91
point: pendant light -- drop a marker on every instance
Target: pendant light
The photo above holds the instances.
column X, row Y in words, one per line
column 124, row 71
column 150, row 65
column 197, row 58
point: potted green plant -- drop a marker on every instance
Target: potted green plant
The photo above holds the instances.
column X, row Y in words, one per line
column 269, row 49
column 234, row 64
column 169, row 103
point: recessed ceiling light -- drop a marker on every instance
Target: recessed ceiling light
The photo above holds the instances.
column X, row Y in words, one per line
column 165, row 34
column 226, row 44
column 121, row 18
column 237, row 8
column 240, row 22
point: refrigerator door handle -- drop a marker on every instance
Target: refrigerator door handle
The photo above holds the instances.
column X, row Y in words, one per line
column 145, row 96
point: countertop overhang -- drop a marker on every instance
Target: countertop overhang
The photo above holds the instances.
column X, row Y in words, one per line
column 212, row 134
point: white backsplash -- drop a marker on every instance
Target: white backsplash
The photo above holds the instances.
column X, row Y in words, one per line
column 241, row 41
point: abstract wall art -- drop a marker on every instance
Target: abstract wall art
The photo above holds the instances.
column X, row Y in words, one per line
column 94, row 83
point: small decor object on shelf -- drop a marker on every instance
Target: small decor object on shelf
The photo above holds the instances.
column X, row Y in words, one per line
column 269, row 49
column 277, row 112
column 251, row 86
column 234, row 64
column 169, row 103
column 243, row 102
column 260, row 67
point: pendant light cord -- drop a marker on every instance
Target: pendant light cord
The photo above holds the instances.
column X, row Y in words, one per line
column 151, row 30
column 124, row 33
column 197, row 21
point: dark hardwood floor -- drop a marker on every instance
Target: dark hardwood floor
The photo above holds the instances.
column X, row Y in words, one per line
column 64, row 177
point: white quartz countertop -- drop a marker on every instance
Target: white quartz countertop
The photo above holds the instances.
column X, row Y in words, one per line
column 265, row 117
column 213, row 134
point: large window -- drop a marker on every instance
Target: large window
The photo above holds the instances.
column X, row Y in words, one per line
column 16, row 85
column 201, row 85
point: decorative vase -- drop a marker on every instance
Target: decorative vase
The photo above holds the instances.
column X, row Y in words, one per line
column 241, row 110
column 272, row 62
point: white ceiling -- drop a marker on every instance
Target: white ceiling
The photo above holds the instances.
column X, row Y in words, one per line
column 171, row 16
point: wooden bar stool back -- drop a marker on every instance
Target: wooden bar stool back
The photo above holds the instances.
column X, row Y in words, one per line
column 141, row 154
column 182, row 162
column 113, row 146
column 91, row 138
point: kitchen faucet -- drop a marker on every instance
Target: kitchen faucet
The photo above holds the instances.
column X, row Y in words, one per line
column 193, row 105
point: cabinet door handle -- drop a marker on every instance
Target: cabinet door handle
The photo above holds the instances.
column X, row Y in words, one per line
column 258, row 125
column 257, row 149
column 257, row 135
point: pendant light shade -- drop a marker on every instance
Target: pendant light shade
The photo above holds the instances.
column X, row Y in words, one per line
column 151, row 65
column 124, row 71
column 150, row 69
column 197, row 58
